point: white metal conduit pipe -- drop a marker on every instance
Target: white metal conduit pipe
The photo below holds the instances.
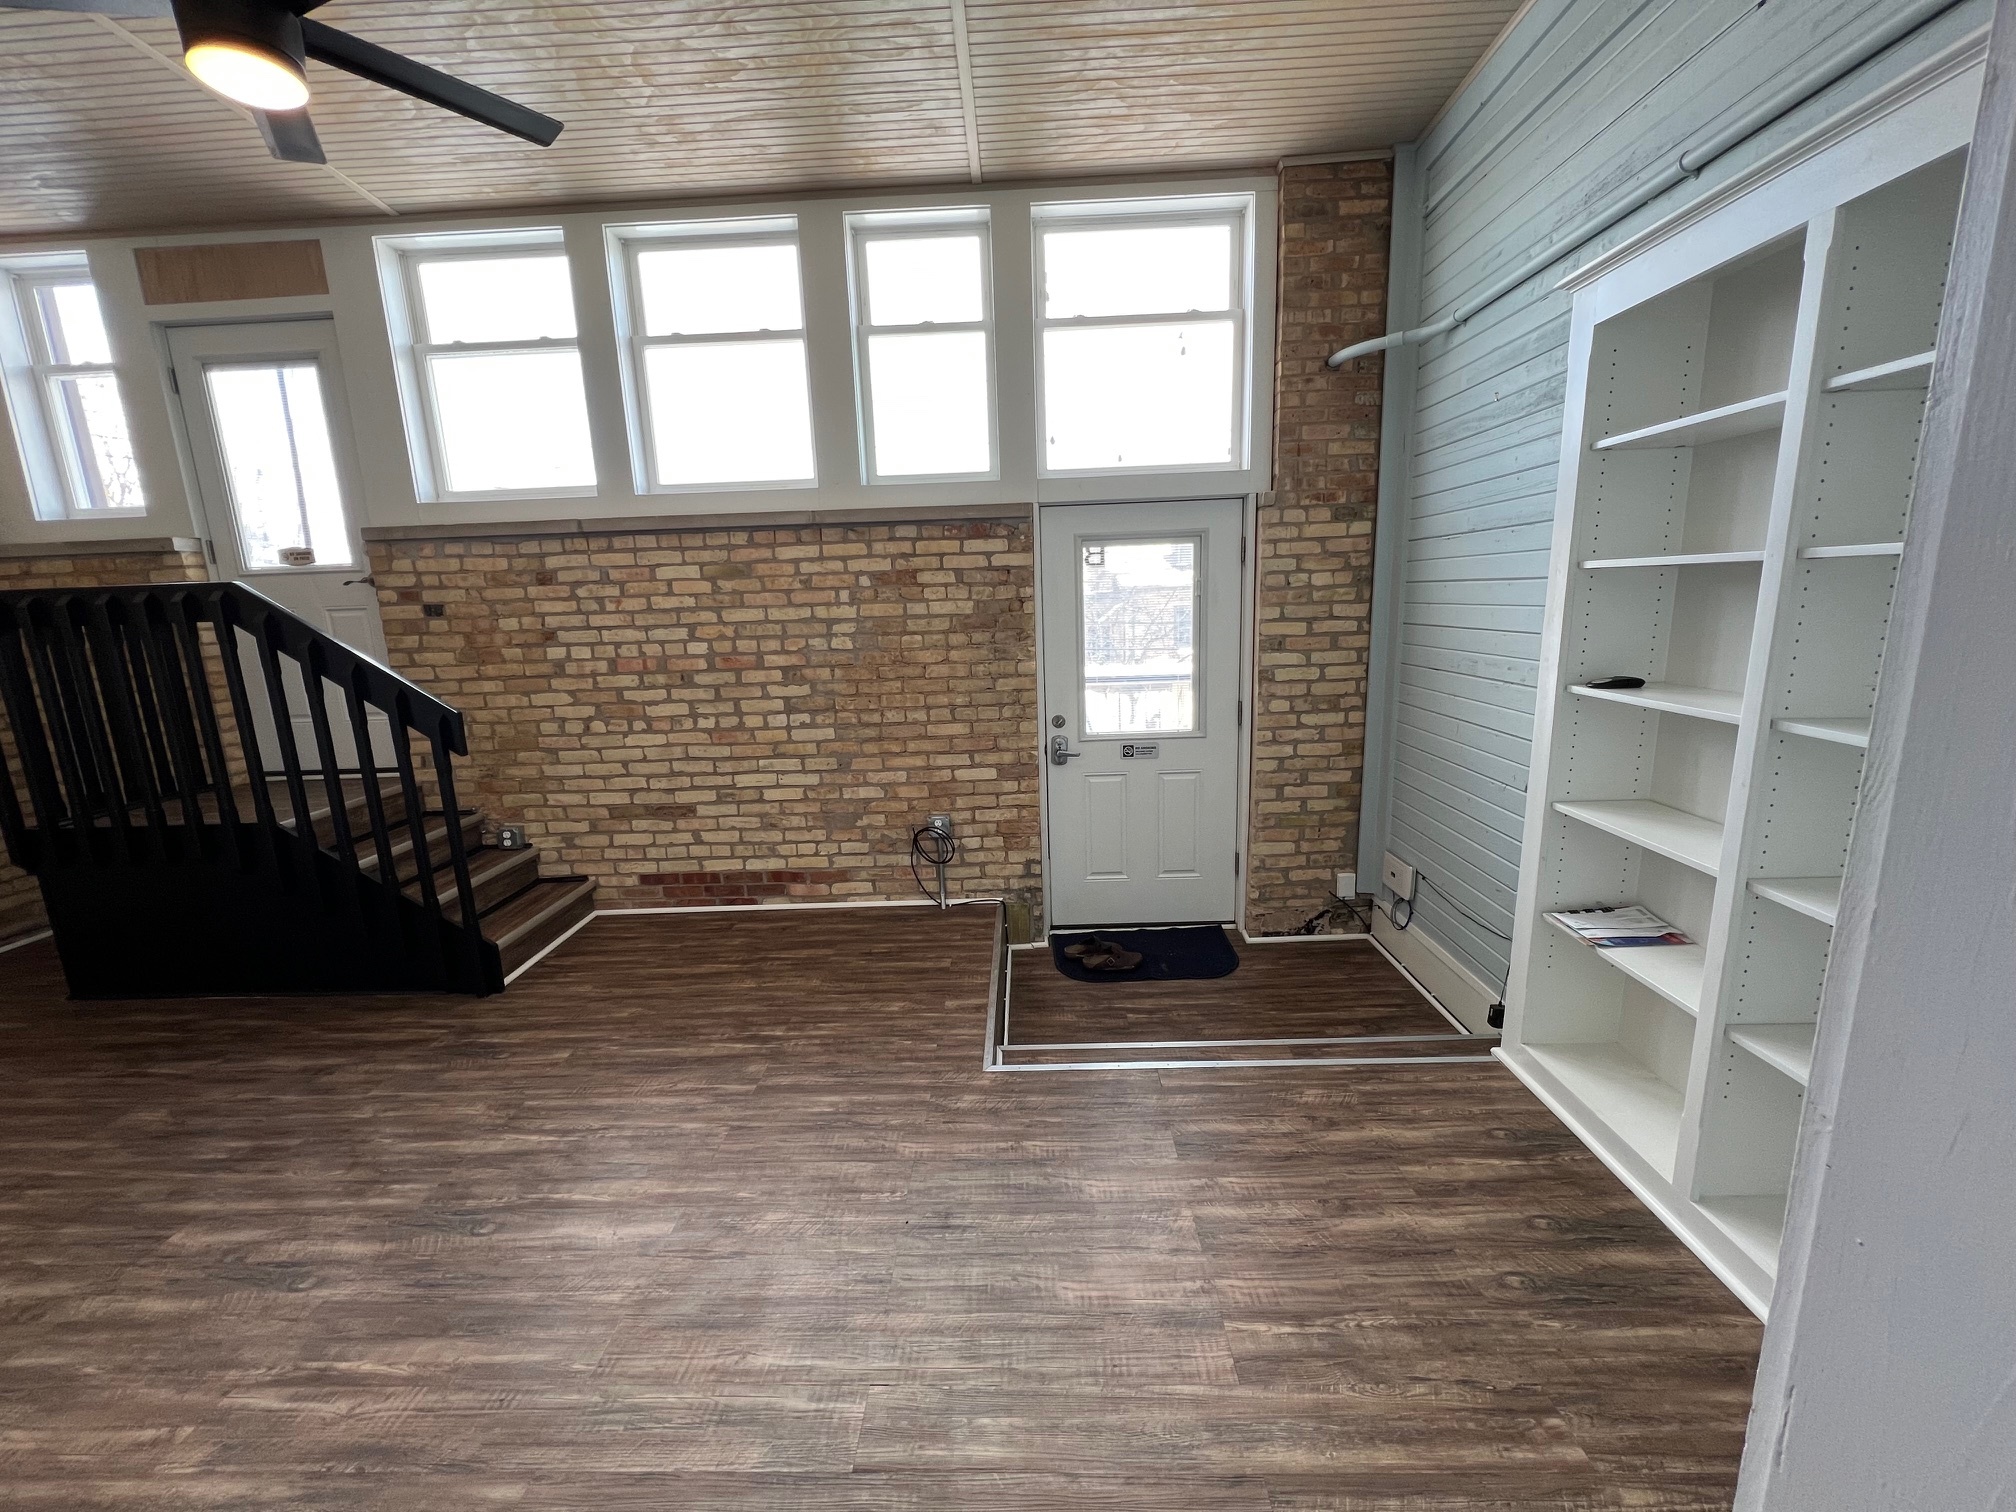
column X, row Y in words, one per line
column 1692, row 160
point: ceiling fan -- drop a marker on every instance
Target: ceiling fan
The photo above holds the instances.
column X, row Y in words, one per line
column 255, row 52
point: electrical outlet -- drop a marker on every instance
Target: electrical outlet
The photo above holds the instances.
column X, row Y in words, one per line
column 1347, row 884
column 942, row 823
column 1398, row 878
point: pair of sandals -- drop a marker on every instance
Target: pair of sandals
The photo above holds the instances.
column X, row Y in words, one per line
column 1097, row 954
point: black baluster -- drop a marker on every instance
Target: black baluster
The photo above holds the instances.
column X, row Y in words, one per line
column 223, row 624
column 31, row 747
column 72, row 662
column 367, row 771
column 120, row 701
column 416, row 805
column 313, row 683
column 151, row 623
column 458, row 852
column 282, row 714
column 184, row 619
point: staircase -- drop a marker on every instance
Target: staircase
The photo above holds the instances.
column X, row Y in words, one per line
column 153, row 779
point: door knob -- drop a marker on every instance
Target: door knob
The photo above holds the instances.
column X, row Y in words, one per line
column 1060, row 749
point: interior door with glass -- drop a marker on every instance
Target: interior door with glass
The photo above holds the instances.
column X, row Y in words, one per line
column 269, row 438
column 1142, row 715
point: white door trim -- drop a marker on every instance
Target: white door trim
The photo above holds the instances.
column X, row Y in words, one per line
column 1243, row 771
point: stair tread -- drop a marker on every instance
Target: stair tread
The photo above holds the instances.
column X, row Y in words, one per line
column 503, row 924
column 496, row 876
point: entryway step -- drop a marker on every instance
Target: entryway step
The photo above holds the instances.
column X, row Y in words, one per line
column 536, row 917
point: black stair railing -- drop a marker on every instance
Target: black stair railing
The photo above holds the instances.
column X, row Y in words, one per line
column 155, row 778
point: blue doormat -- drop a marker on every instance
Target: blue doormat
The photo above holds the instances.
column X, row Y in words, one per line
column 1167, row 955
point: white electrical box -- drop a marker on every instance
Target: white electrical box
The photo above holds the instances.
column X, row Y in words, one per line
column 1398, row 877
column 1347, row 885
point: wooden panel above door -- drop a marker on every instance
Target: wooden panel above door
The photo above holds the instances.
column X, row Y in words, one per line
column 217, row 271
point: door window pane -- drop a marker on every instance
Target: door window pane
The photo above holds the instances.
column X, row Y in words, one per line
column 708, row 291
column 274, row 435
column 1139, row 396
column 512, row 421
column 94, row 422
column 729, row 412
column 1138, row 629
column 928, row 394
column 497, row 298
column 920, row 279
column 1143, row 270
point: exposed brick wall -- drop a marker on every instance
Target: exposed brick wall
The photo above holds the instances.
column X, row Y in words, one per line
column 1313, row 631
column 709, row 715
column 20, row 896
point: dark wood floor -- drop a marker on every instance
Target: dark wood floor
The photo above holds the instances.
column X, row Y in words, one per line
column 1301, row 989
column 722, row 1214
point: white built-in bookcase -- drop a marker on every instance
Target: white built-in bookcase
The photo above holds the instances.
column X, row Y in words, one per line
column 1743, row 418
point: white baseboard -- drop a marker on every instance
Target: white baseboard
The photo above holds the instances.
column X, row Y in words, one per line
column 1464, row 995
column 1315, row 939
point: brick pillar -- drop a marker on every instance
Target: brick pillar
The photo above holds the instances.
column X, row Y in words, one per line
column 1313, row 627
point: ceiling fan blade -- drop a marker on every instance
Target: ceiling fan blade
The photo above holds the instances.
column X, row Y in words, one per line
column 367, row 60
column 121, row 10
column 290, row 136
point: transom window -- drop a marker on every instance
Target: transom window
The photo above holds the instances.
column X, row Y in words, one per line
column 63, row 391
column 924, row 345
column 496, row 365
column 716, row 354
column 1141, row 335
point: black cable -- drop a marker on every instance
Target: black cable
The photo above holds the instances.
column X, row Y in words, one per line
column 1443, row 894
column 1310, row 925
column 934, row 847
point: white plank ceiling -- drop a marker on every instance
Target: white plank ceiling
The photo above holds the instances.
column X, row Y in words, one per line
column 673, row 99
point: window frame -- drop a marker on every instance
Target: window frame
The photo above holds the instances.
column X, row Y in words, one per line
column 1236, row 212
column 626, row 244
column 47, row 435
column 416, row 349
column 868, row 226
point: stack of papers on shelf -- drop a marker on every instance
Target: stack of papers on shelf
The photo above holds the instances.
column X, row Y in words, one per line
column 1609, row 928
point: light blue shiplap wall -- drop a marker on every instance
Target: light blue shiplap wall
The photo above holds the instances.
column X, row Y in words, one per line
column 1583, row 100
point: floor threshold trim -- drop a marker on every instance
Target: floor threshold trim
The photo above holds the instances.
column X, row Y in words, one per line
column 1222, row 1065
column 1209, row 1044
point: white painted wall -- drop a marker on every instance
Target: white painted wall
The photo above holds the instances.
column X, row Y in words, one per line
column 389, row 496
column 1888, row 1380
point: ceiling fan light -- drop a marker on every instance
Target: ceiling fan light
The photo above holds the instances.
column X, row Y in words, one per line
column 247, row 50
column 248, row 75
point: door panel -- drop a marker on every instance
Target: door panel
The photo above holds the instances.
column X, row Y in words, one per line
column 269, row 437
column 1142, row 629
column 1177, row 823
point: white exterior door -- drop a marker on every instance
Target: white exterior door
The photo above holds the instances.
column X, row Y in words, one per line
column 1142, row 711
column 269, row 438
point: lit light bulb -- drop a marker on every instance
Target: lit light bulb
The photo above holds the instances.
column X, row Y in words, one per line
column 248, row 75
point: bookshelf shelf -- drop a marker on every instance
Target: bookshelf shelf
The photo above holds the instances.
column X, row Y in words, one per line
column 1783, row 1047
column 1864, row 549
column 1673, row 698
column 1625, row 1095
column 1676, row 559
column 1744, row 418
column 1848, row 732
column 1663, row 830
column 1815, row 897
column 1913, row 372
